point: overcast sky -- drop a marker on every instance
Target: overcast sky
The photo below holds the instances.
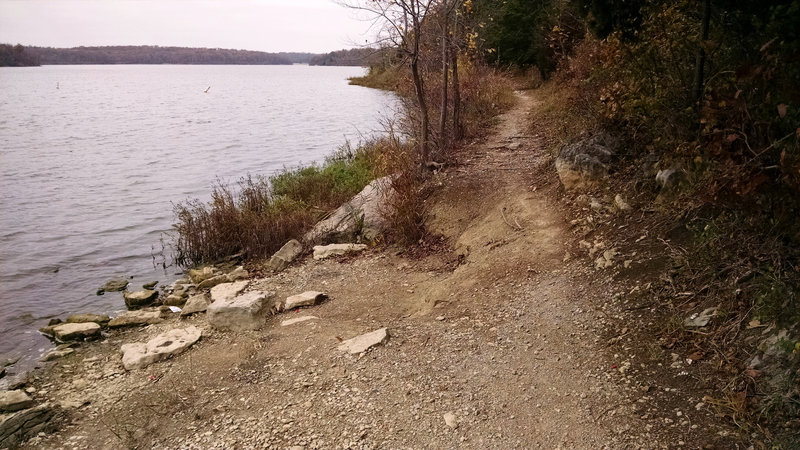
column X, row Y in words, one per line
column 266, row 25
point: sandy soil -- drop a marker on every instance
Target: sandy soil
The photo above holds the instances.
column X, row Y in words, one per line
column 504, row 331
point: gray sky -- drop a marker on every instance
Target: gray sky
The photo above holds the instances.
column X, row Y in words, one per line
column 266, row 25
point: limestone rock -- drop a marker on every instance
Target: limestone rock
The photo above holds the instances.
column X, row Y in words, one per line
column 361, row 216
column 450, row 420
column 364, row 342
column 75, row 331
column 326, row 251
column 238, row 273
column 300, row 319
column 584, row 163
column 621, row 204
column 150, row 286
column 283, row 257
column 133, row 318
column 195, row 304
column 139, row 355
column 11, row 401
column 19, row 426
column 702, row 319
column 199, row 275
column 84, row 318
column 308, row 298
column 115, row 285
column 174, row 300
column 57, row 354
column 213, row 281
column 138, row 299
column 227, row 290
column 243, row 312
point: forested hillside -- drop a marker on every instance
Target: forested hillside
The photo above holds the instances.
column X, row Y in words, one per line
column 154, row 55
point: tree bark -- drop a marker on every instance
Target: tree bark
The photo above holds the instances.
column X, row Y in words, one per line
column 456, row 87
column 700, row 62
column 445, row 82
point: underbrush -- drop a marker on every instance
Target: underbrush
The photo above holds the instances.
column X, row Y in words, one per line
column 256, row 215
column 379, row 77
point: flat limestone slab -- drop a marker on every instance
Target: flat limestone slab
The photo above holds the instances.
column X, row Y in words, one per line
column 11, row 401
column 300, row 319
column 195, row 304
column 283, row 257
column 364, row 342
column 326, row 251
column 244, row 312
column 133, row 318
column 172, row 342
column 308, row 298
column 226, row 291
column 75, row 331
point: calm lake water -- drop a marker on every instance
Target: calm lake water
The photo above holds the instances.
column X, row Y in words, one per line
column 92, row 159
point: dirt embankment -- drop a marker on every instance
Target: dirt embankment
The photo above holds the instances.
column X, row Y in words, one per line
column 508, row 337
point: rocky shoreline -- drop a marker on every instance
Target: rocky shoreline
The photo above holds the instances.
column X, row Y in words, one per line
column 227, row 295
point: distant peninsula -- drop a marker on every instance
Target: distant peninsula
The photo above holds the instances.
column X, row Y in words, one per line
column 18, row 55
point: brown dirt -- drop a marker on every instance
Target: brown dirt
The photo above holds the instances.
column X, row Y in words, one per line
column 506, row 330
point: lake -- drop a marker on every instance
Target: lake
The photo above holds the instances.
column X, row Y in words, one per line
column 93, row 158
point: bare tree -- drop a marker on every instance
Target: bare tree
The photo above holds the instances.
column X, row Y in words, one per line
column 400, row 24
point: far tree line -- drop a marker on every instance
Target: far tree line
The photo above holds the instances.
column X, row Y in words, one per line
column 18, row 55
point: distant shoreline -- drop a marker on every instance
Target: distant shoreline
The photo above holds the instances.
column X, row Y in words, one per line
column 27, row 56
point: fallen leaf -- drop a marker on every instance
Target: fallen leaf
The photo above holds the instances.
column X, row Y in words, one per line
column 696, row 356
column 753, row 373
column 782, row 110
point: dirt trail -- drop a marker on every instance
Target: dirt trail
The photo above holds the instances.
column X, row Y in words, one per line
column 502, row 333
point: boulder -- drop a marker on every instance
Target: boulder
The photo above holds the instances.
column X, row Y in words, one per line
column 359, row 217
column 243, row 312
column 300, row 319
column 199, row 275
column 17, row 427
column 134, row 318
column 326, row 251
column 85, row 318
column 584, row 163
column 139, row 355
column 76, row 331
column 195, row 304
column 227, row 290
column 621, row 204
column 364, row 342
column 150, row 286
column 308, row 298
column 11, row 401
column 139, row 299
column 283, row 257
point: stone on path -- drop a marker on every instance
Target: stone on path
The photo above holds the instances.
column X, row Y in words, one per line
column 244, row 312
column 138, row 299
column 239, row 273
column 139, row 355
column 226, row 291
column 133, row 318
column 308, row 298
column 195, row 304
column 300, row 319
column 283, row 257
column 11, row 401
column 326, row 251
column 75, row 331
column 17, row 427
column 85, row 318
column 450, row 420
column 364, row 342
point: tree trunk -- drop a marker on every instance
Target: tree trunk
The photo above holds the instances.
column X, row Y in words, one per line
column 456, row 91
column 700, row 62
column 445, row 82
